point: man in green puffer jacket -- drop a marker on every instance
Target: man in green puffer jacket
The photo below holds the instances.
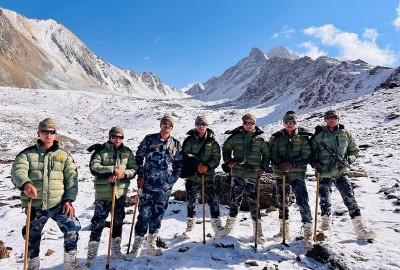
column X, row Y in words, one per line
column 247, row 155
column 47, row 174
column 202, row 148
column 112, row 162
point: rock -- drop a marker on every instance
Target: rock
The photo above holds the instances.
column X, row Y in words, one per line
column 4, row 253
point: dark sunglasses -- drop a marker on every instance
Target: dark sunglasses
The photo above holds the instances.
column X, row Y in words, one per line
column 332, row 117
column 167, row 124
column 48, row 132
column 249, row 123
column 116, row 137
column 201, row 124
column 290, row 122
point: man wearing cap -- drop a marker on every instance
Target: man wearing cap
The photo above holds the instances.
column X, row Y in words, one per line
column 290, row 152
column 247, row 155
column 201, row 147
column 47, row 174
column 339, row 141
column 159, row 159
column 111, row 162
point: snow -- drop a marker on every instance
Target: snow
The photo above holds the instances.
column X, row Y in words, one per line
column 86, row 117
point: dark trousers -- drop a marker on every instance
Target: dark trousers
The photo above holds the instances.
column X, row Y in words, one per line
column 193, row 190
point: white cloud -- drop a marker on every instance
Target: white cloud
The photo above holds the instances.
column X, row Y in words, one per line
column 285, row 32
column 396, row 22
column 146, row 58
column 313, row 50
column 351, row 46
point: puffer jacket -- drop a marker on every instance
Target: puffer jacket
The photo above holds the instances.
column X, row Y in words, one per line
column 341, row 142
column 102, row 165
column 209, row 156
column 53, row 173
column 249, row 150
column 294, row 149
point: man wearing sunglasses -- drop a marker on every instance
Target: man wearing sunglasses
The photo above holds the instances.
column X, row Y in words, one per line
column 205, row 152
column 112, row 162
column 340, row 142
column 47, row 174
column 159, row 159
column 290, row 151
column 247, row 155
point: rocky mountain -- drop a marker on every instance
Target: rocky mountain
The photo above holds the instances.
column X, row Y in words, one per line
column 44, row 54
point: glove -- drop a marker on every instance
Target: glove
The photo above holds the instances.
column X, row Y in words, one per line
column 140, row 181
column 316, row 165
column 202, row 169
column 286, row 166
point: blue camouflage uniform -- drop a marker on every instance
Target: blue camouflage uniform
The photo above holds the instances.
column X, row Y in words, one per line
column 159, row 162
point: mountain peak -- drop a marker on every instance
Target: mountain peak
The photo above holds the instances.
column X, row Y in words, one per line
column 282, row 52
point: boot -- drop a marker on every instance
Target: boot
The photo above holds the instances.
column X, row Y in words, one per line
column 260, row 236
column 93, row 249
column 230, row 225
column 361, row 231
column 70, row 261
column 152, row 245
column 190, row 222
column 34, row 263
column 326, row 223
column 116, row 248
column 137, row 244
column 308, row 235
column 279, row 237
column 217, row 227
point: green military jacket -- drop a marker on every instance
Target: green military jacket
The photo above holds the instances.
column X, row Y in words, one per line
column 341, row 142
column 294, row 149
column 53, row 173
column 249, row 150
column 210, row 154
column 102, row 165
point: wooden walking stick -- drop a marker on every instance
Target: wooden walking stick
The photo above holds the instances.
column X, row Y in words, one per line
column 316, row 206
column 284, row 209
column 27, row 229
column 114, row 191
column 257, row 210
column 204, row 211
column 139, row 191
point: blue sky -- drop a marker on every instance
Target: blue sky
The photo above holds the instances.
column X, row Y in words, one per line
column 187, row 41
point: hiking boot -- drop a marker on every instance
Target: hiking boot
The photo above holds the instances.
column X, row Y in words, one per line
column 279, row 237
column 152, row 248
column 308, row 235
column 137, row 244
column 361, row 231
column 190, row 222
column 70, row 261
column 217, row 227
column 230, row 225
column 93, row 249
column 116, row 248
column 34, row 263
column 260, row 236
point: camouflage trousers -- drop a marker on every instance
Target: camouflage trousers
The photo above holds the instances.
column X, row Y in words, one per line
column 192, row 194
column 300, row 191
column 69, row 227
column 152, row 205
column 101, row 211
column 346, row 191
column 239, row 186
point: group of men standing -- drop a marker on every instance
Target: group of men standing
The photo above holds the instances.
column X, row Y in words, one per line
column 47, row 177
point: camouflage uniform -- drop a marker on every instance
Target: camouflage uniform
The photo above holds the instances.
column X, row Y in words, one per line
column 161, row 169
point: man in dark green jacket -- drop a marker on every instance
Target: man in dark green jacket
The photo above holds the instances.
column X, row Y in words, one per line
column 339, row 141
column 248, row 156
column 112, row 162
column 47, row 174
column 290, row 152
column 202, row 148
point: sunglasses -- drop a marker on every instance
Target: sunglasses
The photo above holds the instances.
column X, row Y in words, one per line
column 249, row 123
column 48, row 132
column 290, row 122
column 116, row 137
column 332, row 117
column 201, row 124
column 167, row 124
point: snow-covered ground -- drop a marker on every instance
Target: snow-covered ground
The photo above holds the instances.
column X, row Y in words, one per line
column 84, row 118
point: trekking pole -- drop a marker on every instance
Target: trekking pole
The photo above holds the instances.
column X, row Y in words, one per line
column 204, row 211
column 284, row 209
column 27, row 229
column 257, row 209
column 114, row 191
column 139, row 191
column 316, row 206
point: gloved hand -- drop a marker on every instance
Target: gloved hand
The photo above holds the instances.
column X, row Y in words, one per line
column 316, row 165
column 286, row 166
column 140, row 181
column 202, row 169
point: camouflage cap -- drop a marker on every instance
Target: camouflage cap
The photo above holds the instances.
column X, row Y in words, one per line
column 290, row 115
column 332, row 112
column 167, row 118
column 249, row 116
column 114, row 130
column 47, row 123
column 201, row 118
